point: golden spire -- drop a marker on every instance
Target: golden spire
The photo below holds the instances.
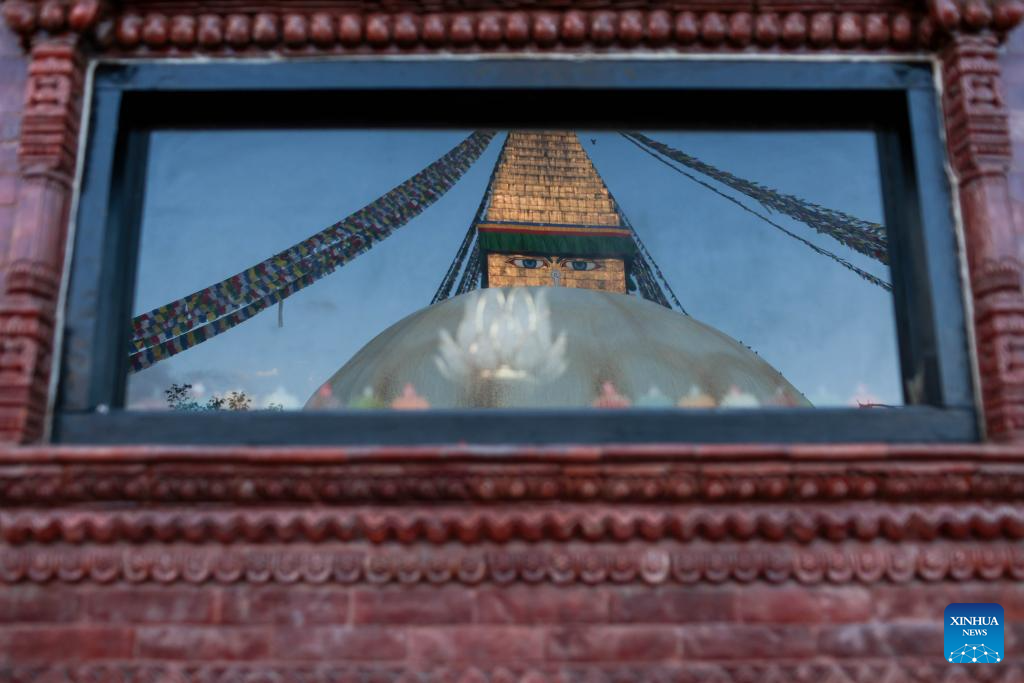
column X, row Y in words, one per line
column 547, row 178
column 551, row 220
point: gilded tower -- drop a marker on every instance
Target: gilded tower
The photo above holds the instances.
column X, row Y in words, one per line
column 550, row 220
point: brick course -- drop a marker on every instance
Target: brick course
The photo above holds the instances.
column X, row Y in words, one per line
column 537, row 625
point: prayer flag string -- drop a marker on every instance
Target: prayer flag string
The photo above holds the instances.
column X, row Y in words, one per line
column 862, row 236
column 181, row 324
column 645, row 269
column 873, row 279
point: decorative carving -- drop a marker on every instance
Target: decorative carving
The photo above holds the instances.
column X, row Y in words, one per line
column 46, row 153
column 472, row 526
column 26, row 338
column 976, row 115
column 818, row 563
column 32, row 279
column 649, row 475
column 178, row 25
column 980, row 150
column 49, row 134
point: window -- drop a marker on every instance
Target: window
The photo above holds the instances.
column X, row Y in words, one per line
column 640, row 258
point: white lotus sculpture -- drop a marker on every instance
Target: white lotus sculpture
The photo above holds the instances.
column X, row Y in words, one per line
column 503, row 335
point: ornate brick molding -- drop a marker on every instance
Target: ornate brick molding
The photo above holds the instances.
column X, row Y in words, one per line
column 175, row 26
column 652, row 475
column 624, row 514
column 559, row 563
column 592, row 524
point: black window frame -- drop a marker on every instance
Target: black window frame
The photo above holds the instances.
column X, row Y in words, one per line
column 897, row 98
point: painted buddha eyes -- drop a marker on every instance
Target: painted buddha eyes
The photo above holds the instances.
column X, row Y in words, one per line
column 533, row 263
column 528, row 263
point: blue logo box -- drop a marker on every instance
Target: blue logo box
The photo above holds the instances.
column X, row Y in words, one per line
column 974, row 633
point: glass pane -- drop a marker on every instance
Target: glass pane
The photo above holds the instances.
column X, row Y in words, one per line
column 561, row 269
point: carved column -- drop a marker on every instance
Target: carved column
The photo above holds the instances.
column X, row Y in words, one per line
column 980, row 151
column 46, row 155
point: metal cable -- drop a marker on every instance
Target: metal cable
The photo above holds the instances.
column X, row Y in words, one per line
column 645, row 260
column 862, row 236
column 471, row 276
column 445, row 288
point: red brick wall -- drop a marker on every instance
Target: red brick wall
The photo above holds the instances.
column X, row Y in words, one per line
column 783, row 634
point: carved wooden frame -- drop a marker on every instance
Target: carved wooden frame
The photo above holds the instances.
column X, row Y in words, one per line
column 63, row 35
column 897, row 98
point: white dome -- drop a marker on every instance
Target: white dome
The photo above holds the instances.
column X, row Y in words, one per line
column 541, row 347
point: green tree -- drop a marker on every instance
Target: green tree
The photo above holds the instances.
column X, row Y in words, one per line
column 179, row 397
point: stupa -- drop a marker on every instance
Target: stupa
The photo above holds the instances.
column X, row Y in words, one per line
column 554, row 323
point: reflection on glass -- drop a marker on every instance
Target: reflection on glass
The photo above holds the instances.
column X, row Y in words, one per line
column 482, row 269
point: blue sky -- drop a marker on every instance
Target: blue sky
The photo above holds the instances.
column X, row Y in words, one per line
column 220, row 201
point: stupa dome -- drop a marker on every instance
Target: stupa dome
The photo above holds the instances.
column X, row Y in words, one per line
column 557, row 347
